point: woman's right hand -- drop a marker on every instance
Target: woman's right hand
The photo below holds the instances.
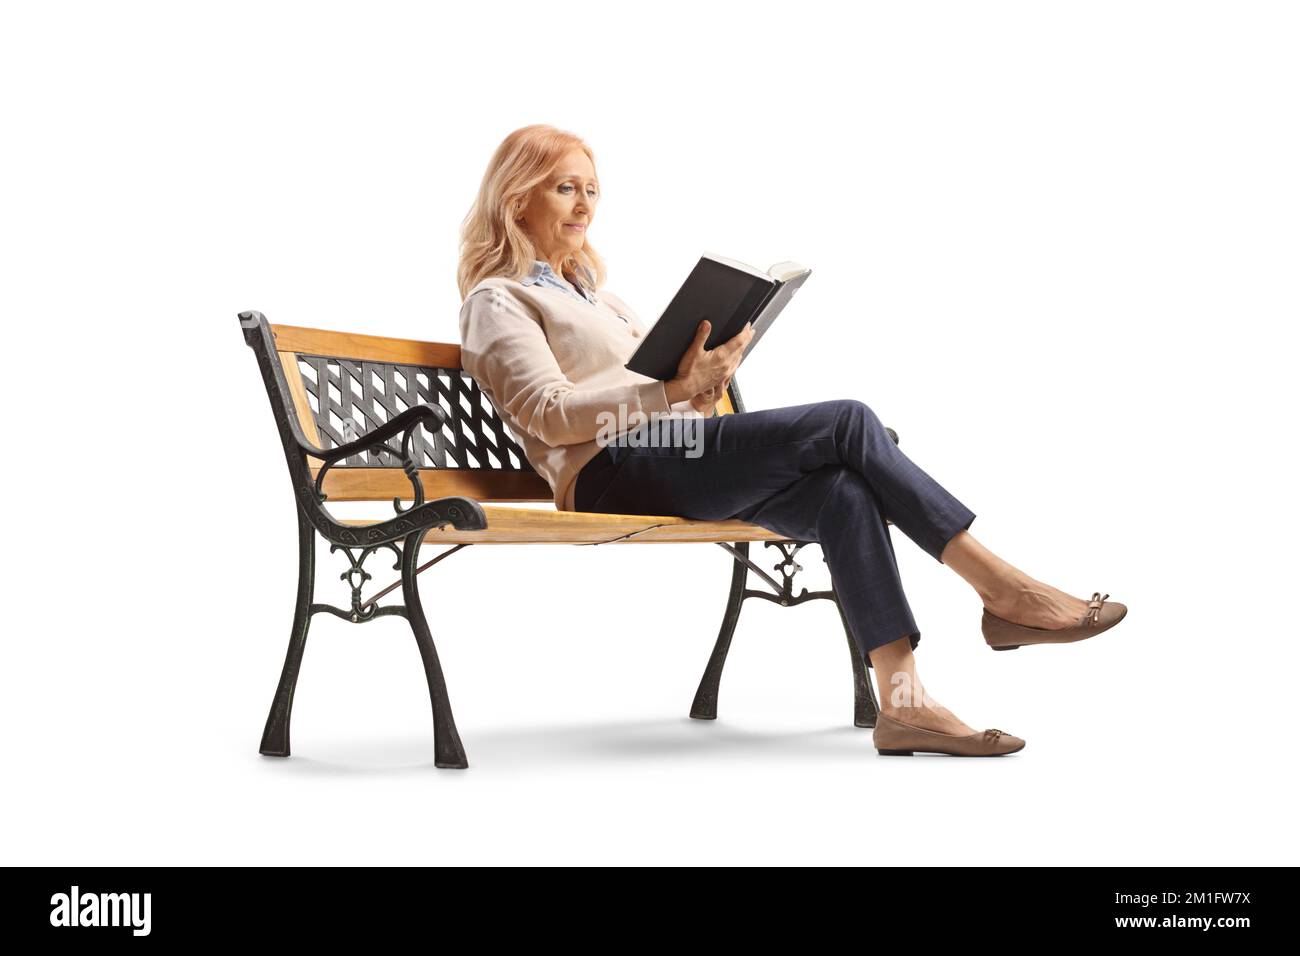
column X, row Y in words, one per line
column 705, row 371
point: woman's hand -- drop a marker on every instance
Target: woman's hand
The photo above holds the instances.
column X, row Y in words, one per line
column 702, row 376
column 705, row 402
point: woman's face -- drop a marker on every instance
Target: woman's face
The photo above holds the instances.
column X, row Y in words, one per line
column 559, row 209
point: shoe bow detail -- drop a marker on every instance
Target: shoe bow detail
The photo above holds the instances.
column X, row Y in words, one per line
column 1094, row 606
column 993, row 734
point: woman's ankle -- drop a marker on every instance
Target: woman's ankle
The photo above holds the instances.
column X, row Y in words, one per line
column 1007, row 592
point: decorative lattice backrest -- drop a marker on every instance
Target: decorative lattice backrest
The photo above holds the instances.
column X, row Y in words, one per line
column 344, row 385
column 349, row 397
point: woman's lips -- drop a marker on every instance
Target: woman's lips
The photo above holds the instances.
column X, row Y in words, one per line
column 579, row 227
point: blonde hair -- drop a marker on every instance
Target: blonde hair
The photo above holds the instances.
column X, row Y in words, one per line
column 491, row 242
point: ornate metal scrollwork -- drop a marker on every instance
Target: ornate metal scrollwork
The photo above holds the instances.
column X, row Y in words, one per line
column 412, row 471
column 356, row 576
column 782, row 593
column 409, row 467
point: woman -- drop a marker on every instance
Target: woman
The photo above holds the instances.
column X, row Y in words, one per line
column 547, row 345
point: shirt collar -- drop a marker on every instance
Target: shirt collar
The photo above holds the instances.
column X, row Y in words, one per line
column 541, row 268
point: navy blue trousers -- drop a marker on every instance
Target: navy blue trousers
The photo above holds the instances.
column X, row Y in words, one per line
column 826, row 472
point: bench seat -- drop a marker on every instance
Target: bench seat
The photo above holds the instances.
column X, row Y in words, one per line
column 507, row 525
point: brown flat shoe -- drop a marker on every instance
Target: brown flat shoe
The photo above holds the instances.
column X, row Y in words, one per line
column 893, row 738
column 1003, row 635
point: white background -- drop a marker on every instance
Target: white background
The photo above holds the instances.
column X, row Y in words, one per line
column 1054, row 245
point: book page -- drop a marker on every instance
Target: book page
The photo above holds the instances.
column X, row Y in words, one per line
column 785, row 271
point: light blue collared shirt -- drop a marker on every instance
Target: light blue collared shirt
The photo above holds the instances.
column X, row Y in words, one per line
column 543, row 274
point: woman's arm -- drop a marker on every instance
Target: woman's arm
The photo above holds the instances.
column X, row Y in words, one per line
column 505, row 349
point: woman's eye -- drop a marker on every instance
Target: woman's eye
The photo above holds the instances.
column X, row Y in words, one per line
column 566, row 188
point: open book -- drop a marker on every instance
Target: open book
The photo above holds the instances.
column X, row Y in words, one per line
column 728, row 294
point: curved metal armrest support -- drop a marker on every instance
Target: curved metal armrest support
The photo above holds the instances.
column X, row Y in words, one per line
column 377, row 441
column 463, row 513
column 400, row 424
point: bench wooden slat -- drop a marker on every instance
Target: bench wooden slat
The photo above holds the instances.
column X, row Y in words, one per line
column 365, row 348
column 482, row 484
column 548, row 526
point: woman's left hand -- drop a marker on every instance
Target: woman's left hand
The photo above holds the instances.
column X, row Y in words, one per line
column 705, row 402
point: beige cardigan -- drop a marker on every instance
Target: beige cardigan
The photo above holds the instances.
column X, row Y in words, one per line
column 550, row 364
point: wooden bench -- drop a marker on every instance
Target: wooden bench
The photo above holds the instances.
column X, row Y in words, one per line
column 367, row 418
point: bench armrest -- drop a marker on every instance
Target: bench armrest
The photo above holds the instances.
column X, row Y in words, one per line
column 463, row 513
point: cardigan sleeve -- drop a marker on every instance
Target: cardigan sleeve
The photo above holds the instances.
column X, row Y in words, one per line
column 505, row 349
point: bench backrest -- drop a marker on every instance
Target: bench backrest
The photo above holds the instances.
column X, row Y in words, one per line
column 332, row 387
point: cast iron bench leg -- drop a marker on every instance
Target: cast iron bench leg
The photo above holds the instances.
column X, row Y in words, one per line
column 448, row 752
column 275, row 737
column 864, row 698
column 705, row 706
